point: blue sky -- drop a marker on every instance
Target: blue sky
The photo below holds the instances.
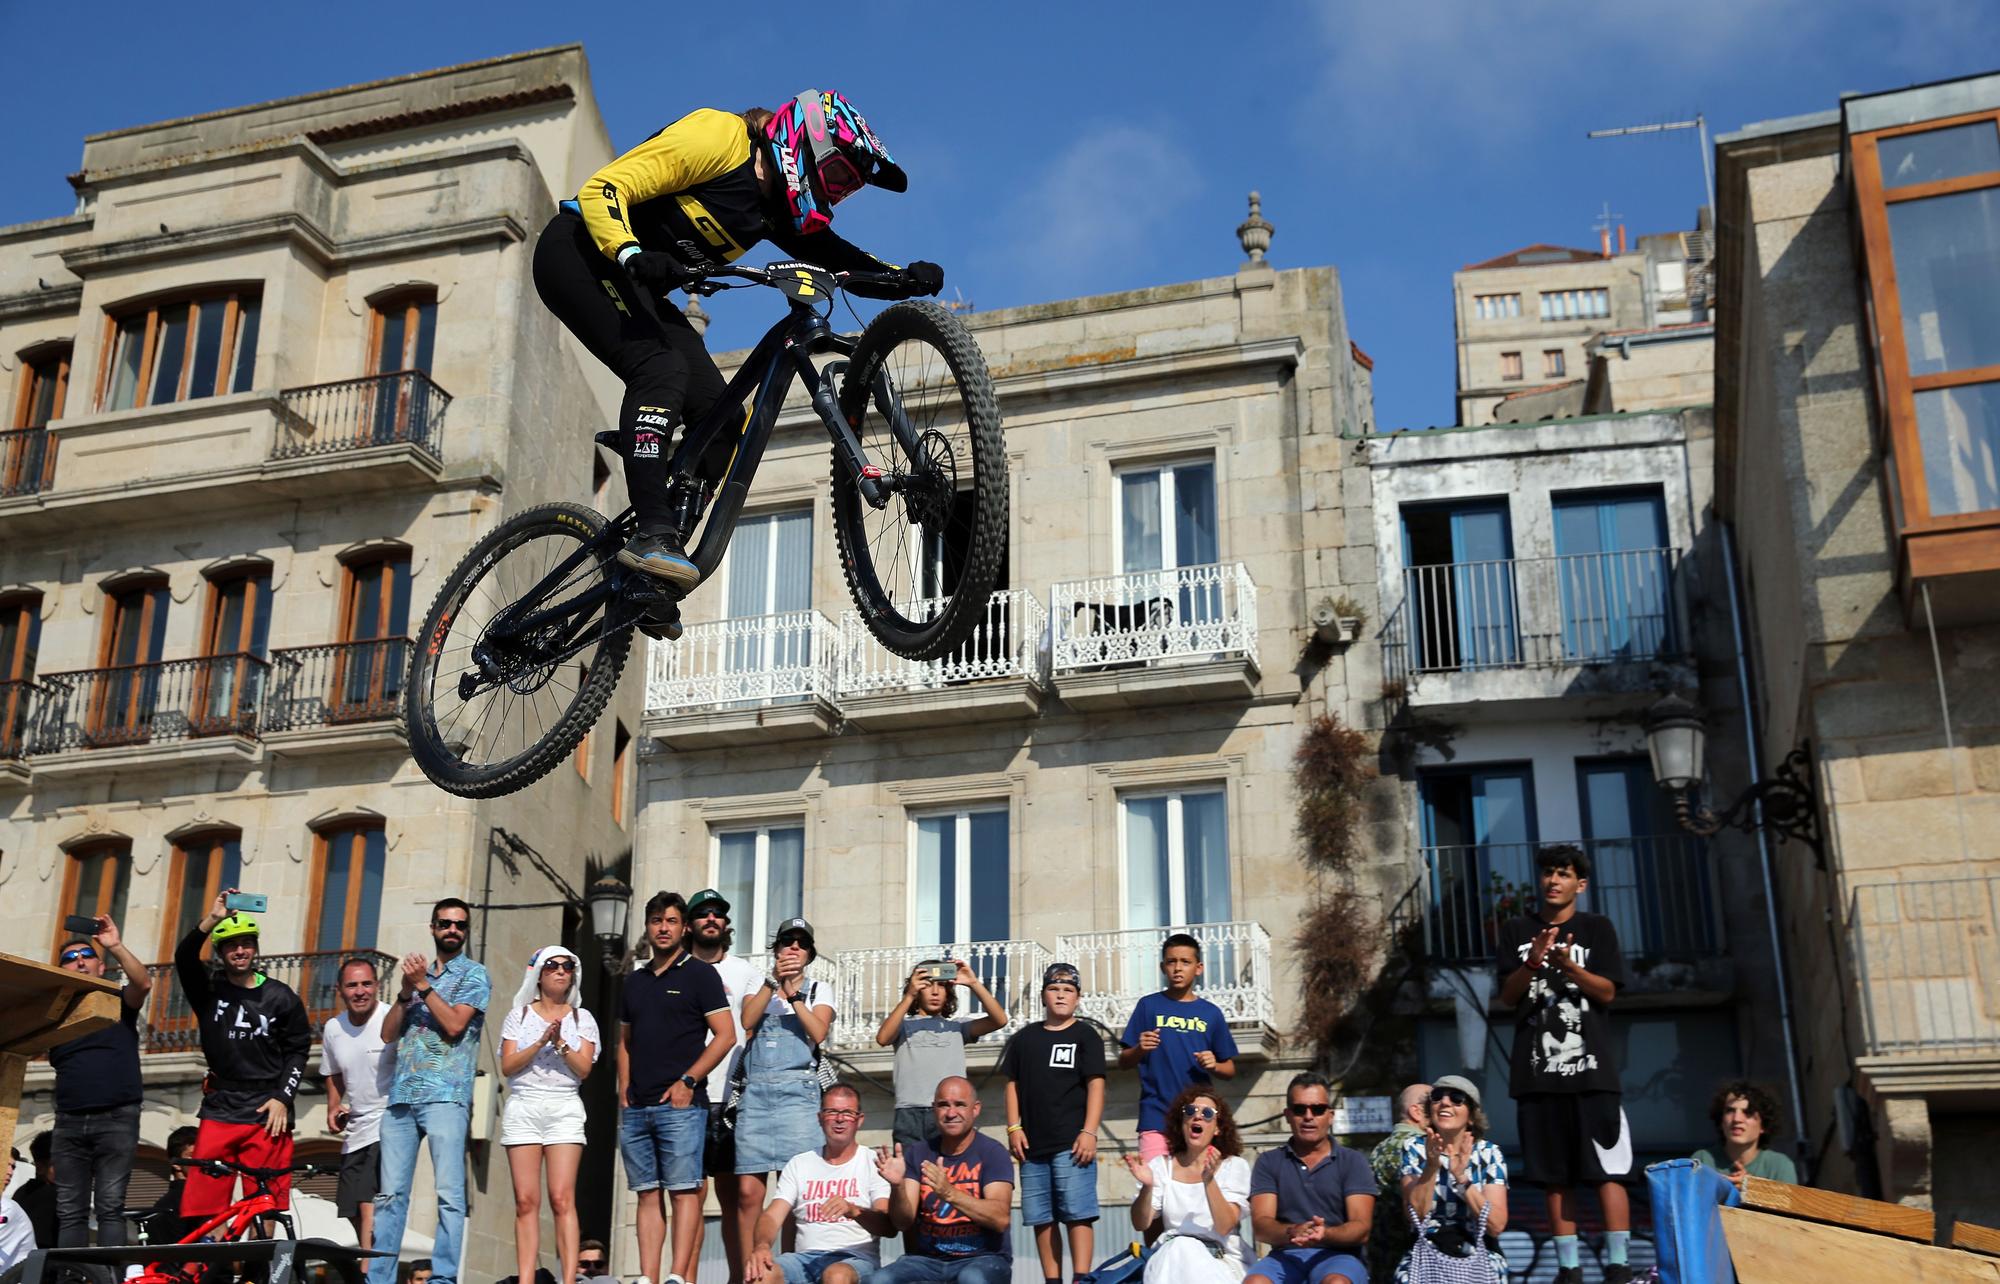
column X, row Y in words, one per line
column 1065, row 149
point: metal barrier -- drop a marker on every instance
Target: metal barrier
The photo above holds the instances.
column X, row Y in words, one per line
column 1188, row 612
column 1591, row 608
column 148, row 703
column 337, row 683
column 354, row 414
column 1659, row 892
column 1011, row 641
column 794, row 655
column 1927, row 957
column 170, row 1023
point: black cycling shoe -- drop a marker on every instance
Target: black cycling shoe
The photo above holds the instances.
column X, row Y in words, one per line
column 1569, row 1275
column 661, row 556
column 1617, row 1273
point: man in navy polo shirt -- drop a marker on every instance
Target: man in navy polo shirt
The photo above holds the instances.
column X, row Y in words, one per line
column 676, row 1029
column 1312, row 1200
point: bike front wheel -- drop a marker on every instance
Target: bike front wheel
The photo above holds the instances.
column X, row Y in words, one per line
column 492, row 705
column 922, row 568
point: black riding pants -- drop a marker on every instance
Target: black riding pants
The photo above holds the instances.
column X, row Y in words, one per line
column 669, row 376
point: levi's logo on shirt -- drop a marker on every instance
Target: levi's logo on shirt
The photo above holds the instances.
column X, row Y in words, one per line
column 1195, row 1023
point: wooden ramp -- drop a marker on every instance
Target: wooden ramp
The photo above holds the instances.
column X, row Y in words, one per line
column 1791, row 1235
column 40, row 1007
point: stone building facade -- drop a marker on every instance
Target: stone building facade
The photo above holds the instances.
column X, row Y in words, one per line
column 270, row 379
column 1855, row 444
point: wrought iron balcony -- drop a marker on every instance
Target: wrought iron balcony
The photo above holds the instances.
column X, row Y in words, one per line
column 169, row 1024
column 27, row 461
column 336, row 684
column 169, row 700
column 1143, row 617
column 1927, row 954
column 1524, row 613
column 355, row 414
column 1659, row 892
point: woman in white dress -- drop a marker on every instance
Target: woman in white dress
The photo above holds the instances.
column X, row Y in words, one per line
column 1193, row 1203
column 548, row 1044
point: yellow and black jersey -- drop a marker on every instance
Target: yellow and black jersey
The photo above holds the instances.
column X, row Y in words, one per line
column 692, row 191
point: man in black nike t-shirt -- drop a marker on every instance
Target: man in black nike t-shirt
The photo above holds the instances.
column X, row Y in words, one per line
column 255, row 1036
column 1560, row 969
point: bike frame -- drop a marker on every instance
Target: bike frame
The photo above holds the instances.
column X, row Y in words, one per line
column 239, row 1216
column 784, row 353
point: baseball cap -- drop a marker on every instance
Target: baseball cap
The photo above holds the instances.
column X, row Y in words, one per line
column 1460, row 1082
column 1062, row 974
column 707, row 896
column 793, row 927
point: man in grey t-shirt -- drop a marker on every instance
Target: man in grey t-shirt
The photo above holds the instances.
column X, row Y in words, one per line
column 929, row 1043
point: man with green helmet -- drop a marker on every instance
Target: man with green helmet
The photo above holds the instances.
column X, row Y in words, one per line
column 255, row 1037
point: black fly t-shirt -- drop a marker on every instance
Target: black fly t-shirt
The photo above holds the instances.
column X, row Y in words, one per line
column 1562, row 1041
column 1052, row 1070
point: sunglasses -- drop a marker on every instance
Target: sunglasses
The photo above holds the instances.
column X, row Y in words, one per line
column 1450, row 1096
column 559, row 965
column 1307, row 1109
column 1197, row 1112
column 590, row 1261
column 451, row 924
column 712, row 913
column 71, row 956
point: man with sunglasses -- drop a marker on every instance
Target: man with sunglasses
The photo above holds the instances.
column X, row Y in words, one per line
column 435, row 1025
column 1312, row 1199
column 98, row 1093
column 592, row 1260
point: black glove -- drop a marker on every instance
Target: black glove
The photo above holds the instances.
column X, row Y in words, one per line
column 657, row 270
column 924, row 278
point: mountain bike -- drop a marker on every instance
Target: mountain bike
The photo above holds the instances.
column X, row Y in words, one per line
column 525, row 642
column 236, row 1224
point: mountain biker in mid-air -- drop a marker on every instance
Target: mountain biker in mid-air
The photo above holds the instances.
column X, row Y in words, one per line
column 688, row 200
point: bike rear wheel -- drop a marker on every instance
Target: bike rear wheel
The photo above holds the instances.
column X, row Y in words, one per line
column 922, row 568
column 489, row 710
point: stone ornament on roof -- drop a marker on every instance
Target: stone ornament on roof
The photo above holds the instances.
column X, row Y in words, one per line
column 1254, row 233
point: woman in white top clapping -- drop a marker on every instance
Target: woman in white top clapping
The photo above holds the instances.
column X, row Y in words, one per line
column 547, row 1046
column 1195, row 1200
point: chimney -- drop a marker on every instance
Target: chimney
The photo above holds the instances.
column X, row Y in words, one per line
column 1621, row 238
column 1604, row 235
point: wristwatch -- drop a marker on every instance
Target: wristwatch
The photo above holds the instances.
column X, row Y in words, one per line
column 423, row 992
column 691, row 1082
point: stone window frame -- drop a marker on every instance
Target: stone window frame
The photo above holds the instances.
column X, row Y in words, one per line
column 1112, row 783
column 1954, row 541
column 1108, row 457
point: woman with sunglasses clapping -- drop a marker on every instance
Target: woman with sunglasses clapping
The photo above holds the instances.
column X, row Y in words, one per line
column 1451, row 1175
column 547, row 1047
column 1193, row 1203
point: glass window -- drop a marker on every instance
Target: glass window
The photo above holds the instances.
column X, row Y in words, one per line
column 1612, row 560
column 1494, row 307
column 1479, row 834
column 767, row 572
column 246, row 345
column 761, row 873
column 1176, row 858
column 350, row 888
column 182, row 349
column 1510, row 365
column 100, row 877
column 1651, row 879
column 960, row 880
column 46, row 381
column 1553, row 365
column 1938, row 154
column 1947, row 262
column 205, row 864
column 1958, row 430
column 123, row 695
column 1458, row 582
column 368, row 669
column 128, row 357
column 20, row 638
column 1167, row 517
column 238, row 634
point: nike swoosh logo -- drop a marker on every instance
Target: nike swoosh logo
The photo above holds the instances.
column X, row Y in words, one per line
column 1617, row 1161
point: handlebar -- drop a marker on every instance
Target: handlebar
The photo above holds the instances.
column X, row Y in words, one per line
column 706, row 283
column 225, row 1167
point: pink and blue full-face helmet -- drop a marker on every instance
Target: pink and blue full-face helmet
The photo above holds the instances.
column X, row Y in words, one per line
column 826, row 153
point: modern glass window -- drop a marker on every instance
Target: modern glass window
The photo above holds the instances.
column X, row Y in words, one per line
column 959, row 877
column 403, row 338
column 1652, row 878
column 1575, row 305
column 761, row 872
column 126, row 689
column 1510, row 365
column 767, row 585
column 1613, row 567
column 375, row 627
column 1929, row 200
column 1496, row 307
column 20, row 641
column 237, row 636
column 97, row 879
column 1479, row 832
column 1166, row 517
column 1458, row 586
column 182, row 349
column 1553, row 365
column 1176, row 849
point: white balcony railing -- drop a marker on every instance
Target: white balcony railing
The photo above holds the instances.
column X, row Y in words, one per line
column 1188, row 612
column 757, row 659
column 1010, row 642
column 1118, row 968
column 871, row 983
column 1927, row 955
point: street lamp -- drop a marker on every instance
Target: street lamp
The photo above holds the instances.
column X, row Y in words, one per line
column 609, row 901
column 1783, row 804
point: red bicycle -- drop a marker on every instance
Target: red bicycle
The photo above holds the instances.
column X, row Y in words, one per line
column 222, row 1249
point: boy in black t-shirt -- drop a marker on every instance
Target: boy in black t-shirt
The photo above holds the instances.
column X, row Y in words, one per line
column 1560, row 969
column 1055, row 1097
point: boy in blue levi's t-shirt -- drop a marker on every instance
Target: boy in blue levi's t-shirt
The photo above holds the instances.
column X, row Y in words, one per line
column 1175, row 1039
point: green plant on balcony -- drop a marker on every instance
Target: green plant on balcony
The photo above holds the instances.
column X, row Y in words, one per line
column 1504, row 900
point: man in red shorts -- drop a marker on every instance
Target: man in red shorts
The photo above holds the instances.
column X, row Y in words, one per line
column 255, row 1037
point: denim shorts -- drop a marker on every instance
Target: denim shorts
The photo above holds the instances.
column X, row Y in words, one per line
column 1309, row 1266
column 1058, row 1189
column 807, row 1268
column 661, row 1146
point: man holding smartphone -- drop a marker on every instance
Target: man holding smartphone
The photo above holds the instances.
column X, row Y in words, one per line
column 255, row 1036
column 358, row 1067
column 98, row 1095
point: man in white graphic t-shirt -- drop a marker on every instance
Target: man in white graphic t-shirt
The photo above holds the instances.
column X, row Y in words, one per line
column 358, row 1068
column 835, row 1197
